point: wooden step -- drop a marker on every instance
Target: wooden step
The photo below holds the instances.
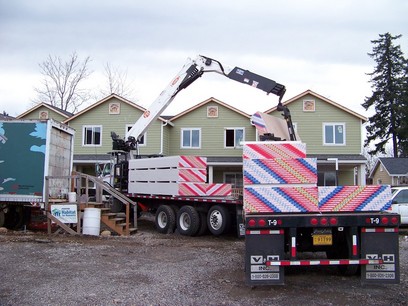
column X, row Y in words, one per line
column 96, row 205
column 121, row 224
column 82, row 206
column 109, row 215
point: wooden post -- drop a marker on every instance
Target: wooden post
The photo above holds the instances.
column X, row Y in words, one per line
column 127, row 219
column 60, row 224
column 46, row 204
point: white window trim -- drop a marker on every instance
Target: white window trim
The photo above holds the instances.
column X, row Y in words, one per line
column 225, row 137
column 83, row 135
column 129, row 126
column 332, row 124
column 190, row 129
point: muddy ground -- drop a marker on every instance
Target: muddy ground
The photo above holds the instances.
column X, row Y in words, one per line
column 154, row 269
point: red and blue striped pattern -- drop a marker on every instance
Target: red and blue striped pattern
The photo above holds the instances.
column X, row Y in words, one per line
column 276, row 149
column 280, row 171
column 280, row 199
column 355, row 198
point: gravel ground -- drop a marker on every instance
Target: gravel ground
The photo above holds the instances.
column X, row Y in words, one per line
column 153, row 269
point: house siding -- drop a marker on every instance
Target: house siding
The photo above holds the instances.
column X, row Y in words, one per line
column 153, row 136
column 99, row 116
column 212, row 131
column 165, row 139
column 382, row 176
column 309, row 126
column 35, row 114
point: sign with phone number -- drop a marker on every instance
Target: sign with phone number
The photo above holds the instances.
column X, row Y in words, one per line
column 264, row 276
column 380, row 275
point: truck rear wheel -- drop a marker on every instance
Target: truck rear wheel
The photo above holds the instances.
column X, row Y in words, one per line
column 14, row 218
column 165, row 219
column 188, row 221
column 343, row 250
column 218, row 220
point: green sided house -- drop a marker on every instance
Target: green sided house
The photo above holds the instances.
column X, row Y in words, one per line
column 391, row 171
column 44, row 111
column 93, row 125
column 216, row 130
column 333, row 134
column 210, row 129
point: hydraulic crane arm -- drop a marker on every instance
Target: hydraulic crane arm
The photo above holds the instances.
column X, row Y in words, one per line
column 191, row 71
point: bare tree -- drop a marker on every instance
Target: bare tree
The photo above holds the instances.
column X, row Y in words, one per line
column 62, row 80
column 117, row 82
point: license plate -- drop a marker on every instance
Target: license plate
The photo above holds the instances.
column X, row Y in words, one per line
column 325, row 239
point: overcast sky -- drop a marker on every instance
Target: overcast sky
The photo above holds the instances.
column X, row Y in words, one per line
column 313, row 44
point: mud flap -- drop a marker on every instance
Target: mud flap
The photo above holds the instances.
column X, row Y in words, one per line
column 262, row 246
column 240, row 226
column 380, row 243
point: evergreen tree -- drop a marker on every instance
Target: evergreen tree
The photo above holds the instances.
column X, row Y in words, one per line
column 389, row 96
column 403, row 128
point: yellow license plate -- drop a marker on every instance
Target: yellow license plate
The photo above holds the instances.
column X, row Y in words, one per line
column 322, row 239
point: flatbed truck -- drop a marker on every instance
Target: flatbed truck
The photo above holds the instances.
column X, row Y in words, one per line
column 282, row 219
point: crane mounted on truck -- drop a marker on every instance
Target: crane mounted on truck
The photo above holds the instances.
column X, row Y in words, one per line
column 285, row 214
column 216, row 212
column 191, row 71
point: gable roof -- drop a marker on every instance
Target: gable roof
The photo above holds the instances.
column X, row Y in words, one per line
column 206, row 102
column 58, row 110
column 310, row 92
column 394, row 166
column 5, row 116
column 111, row 96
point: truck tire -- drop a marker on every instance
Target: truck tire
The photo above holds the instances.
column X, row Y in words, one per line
column 14, row 219
column 218, row 220
column 188, row 221
column 203, row 224
column 165, row 220
column 343, row 250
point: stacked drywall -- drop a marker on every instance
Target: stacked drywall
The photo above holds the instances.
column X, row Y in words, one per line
column 279, row 178
column 173, row 175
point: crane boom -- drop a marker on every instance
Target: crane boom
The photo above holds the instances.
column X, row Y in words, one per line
column 191, row 71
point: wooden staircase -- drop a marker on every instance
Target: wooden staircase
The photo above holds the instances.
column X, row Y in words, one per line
column 114, row 221
column 120, row 223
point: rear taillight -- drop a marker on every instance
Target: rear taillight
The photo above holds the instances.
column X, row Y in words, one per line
column 261, row 222
column 323, row 221
column 251, row 222
column 314, row 221
column 333, row 221
column 394, row 220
